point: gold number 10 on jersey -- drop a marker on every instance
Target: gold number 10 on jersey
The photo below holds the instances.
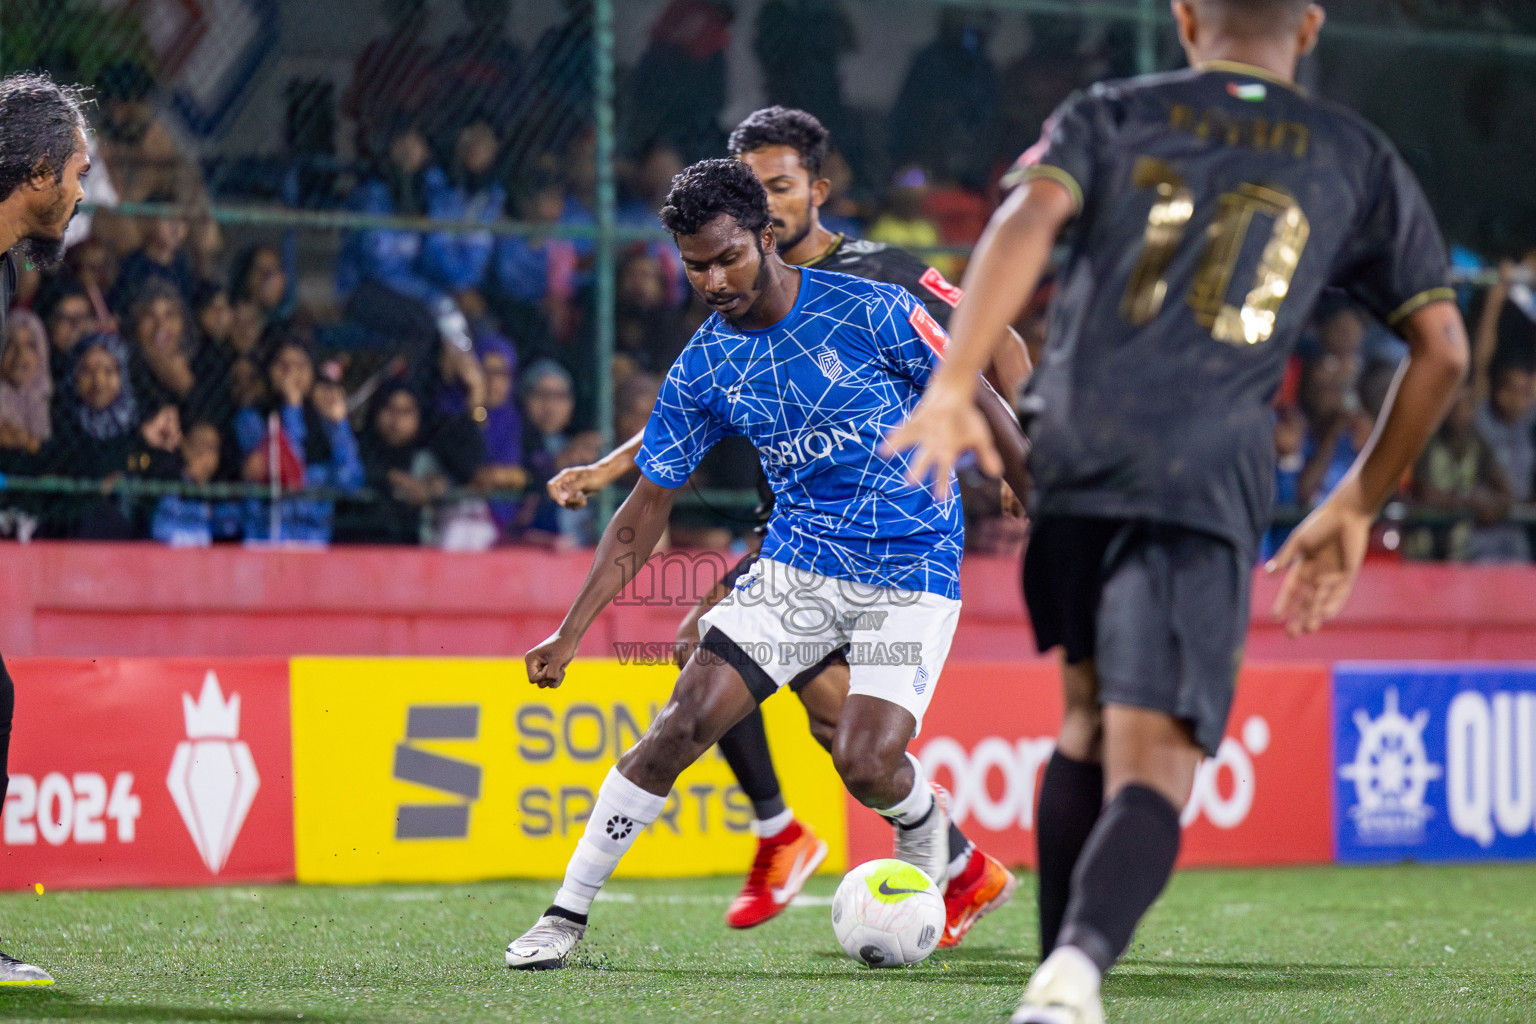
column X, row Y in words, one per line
column 1252, row 322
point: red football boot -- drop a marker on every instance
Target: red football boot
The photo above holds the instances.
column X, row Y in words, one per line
column 779, row 871
column 980, row 888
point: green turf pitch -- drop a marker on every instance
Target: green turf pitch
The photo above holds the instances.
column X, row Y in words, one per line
column 1325, row 944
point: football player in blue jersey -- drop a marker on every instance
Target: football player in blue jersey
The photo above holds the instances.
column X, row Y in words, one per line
column 786, row 149
column 812, row 367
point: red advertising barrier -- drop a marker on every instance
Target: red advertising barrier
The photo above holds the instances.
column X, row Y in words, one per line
column 148, row 771
column 66, row 598
column 1265, row 799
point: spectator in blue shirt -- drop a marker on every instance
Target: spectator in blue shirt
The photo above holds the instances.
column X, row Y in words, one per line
column 457, row 261
column 184, row 521
column 389, row 258
column 534, row 280
column 313, row 446
column 1336, row 426
column 652, row 179
column 163, row 257
column 382, row 275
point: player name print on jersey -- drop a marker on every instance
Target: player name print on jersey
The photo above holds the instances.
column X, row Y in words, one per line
column 1239, row 213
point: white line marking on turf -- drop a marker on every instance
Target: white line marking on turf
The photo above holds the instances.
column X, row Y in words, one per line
column 801, row 900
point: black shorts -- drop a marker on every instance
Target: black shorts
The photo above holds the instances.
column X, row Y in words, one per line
column 1161, row 609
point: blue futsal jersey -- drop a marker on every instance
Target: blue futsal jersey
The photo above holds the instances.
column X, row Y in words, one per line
column 816, row 393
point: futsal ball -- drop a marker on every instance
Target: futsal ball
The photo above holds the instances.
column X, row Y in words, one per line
column 887, row 913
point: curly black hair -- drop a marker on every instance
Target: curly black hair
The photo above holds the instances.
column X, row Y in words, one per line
column 41, row 127
column 709, row 188
column 783, row 126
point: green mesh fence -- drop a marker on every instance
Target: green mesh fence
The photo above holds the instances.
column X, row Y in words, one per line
column 318, row 200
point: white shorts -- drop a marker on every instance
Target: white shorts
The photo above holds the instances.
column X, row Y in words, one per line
column 787, row 621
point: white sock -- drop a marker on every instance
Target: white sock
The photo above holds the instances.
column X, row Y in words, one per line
column 767, row 828
column 914, row 807
column 621, row 811
column 1075, row 963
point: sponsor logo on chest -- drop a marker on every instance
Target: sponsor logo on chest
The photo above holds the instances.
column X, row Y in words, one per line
column 809, row 445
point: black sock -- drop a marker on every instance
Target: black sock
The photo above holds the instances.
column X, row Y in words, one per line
column 1071, row 796
column 7, row 709
column 958, row 844
column 745, row 746
column 1122, row 870
column 555, row 910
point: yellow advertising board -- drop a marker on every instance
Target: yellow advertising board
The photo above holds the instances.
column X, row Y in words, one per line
column 418, row 769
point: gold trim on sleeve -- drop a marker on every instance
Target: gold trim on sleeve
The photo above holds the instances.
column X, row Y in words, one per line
column 1418, row 302
column 1061, row 178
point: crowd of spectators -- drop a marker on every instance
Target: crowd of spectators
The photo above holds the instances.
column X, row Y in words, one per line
column 1477, row 469
column 437, row 372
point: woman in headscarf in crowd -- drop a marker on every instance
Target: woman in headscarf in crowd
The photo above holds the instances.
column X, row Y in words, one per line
column 212, row 314
column 392, row 446
column 101, row 432
column 26, row 386
column 412, row 458
column 502, row 427
column 170, row 362
column 97, row 415
column 259, row 279
column 549, row 402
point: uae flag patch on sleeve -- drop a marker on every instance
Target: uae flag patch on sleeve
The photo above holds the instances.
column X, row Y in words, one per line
column 929, row 330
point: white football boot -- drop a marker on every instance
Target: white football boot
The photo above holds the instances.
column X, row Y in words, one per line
column 546, row 945
column 926, row 846
column 1063, row 990
column 15, row 973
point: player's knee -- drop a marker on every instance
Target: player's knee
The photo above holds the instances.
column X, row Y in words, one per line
column 683, row 734
column 673, row 742
column 866, row 765
column 1082, row 732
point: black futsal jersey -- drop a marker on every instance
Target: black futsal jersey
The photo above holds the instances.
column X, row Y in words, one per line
column 876, row 261
column 1215, row 204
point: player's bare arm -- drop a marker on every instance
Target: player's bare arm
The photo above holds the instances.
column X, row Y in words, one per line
column 1012, row 446
column 1003, row 274
column 628, row 541
column 572, row 486
column 1325, row 552
column 1011, row 366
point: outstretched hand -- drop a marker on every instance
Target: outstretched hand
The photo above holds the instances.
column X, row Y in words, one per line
column 571, row 487
column 944, row 426
column 546, row 663
column 1322, row 558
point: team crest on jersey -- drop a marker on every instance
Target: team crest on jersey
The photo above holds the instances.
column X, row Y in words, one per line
column 935, row 282
column 830, row 365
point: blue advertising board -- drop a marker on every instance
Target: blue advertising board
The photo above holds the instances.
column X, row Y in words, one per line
column 1434, row 762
